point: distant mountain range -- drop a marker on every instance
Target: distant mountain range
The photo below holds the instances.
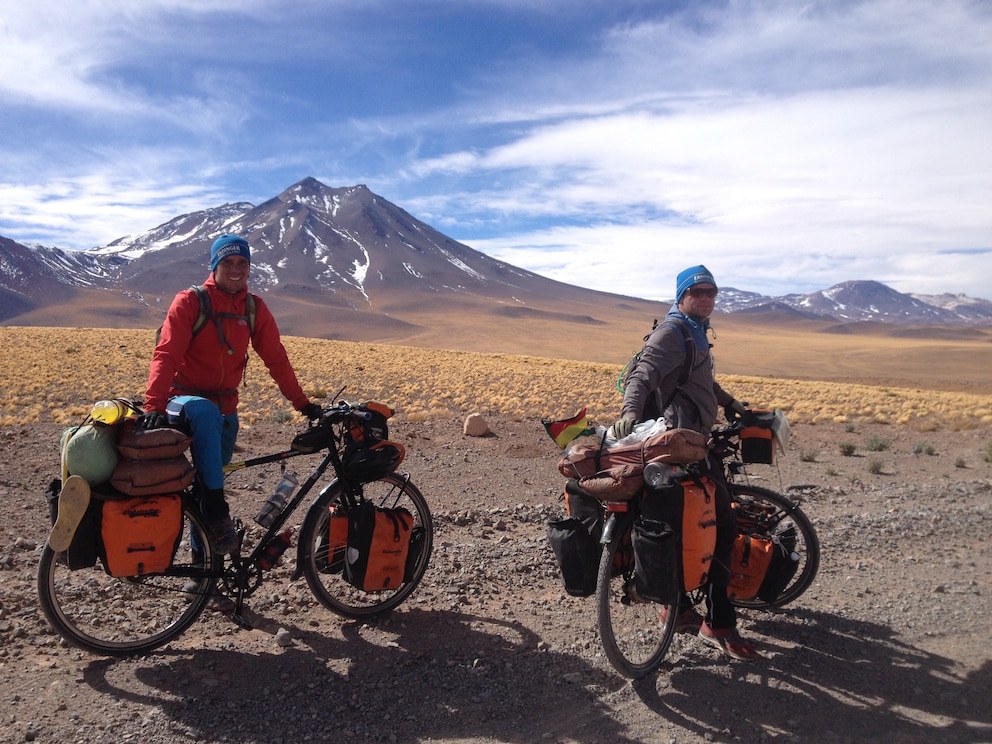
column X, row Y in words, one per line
column 346, row 263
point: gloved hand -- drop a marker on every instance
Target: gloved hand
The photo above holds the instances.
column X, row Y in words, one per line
column 735, row 410
column 153, row 420
column 312, row 411
column 622, row 427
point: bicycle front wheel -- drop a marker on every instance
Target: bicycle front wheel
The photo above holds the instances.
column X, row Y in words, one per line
column 778, row 517
column 126, row 616
column 321, row 552
column 636, row 634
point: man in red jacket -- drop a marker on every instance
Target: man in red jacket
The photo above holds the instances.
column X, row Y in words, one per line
column 194, row 377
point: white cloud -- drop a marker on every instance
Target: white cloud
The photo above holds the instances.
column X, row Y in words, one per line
column 784, row 145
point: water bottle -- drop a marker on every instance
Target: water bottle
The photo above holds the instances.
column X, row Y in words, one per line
column 658, row 475
column 274, row 505
column 108, row 412
column 275, row 549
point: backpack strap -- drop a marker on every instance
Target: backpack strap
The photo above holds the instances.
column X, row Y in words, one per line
column 206, row 311
column 205, row 308
column 688, row 363
column 690, row 351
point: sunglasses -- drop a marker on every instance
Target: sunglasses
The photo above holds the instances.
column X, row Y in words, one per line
column 703, row 291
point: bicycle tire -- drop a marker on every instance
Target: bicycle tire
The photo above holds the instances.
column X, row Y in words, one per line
column 126, row 616
column 634, row 638
column 788, row 518
column 328, row 584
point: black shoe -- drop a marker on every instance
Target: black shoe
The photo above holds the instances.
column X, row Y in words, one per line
column 223, row 535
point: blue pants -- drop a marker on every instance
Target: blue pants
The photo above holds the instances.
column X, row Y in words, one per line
column 214, row 436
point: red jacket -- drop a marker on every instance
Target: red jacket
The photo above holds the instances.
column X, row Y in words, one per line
column 184, row 364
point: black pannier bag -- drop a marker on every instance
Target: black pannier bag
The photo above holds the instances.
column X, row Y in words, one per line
column 85, row 546
column 781, row 569
column 656, row 560
column 575, row 540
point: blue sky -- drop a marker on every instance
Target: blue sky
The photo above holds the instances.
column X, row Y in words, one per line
column 605, row 143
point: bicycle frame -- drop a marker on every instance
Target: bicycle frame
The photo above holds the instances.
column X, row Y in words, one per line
column 77, row 599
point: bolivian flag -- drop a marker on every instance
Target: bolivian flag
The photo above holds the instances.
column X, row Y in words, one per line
column 566, row 430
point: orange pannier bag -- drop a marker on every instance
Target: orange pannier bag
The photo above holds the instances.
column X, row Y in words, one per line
column 337, row 539
column 698, row 531
column 378, row 545
column 140, row 535
column 748, row 565
column 674, row 538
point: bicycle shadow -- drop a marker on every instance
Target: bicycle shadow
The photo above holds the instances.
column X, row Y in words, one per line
column 415, row 675
column 854, row 675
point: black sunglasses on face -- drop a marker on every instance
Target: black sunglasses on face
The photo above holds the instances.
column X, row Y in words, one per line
column 703, row 291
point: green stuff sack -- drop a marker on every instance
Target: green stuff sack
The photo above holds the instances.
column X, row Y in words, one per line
column 90, row 451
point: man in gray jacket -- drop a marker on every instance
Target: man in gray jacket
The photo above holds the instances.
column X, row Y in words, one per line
column 674, row 378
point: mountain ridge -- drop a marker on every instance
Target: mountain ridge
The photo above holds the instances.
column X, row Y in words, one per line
column 347, row 263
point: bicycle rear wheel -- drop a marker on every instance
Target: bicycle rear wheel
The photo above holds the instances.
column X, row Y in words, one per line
column 125, row 616
column 324, row 573
column 778, row 517
column 636, row 635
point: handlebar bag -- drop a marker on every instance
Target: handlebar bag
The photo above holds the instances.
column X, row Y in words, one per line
column 758, row 438
column 140, row 535
column 369, row 422
column 378, row 546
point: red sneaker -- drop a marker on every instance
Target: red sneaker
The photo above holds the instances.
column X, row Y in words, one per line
column 728, row 641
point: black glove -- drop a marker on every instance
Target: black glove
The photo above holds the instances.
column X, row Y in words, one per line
column 153, row 420
column 735, row 410
column 312, row 411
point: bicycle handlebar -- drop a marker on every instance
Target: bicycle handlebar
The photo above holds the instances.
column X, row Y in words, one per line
column 342, row 410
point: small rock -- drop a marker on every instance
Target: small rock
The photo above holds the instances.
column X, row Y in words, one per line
column 475, row 426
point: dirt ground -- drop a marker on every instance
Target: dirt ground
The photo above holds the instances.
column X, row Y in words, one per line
column 890, row 644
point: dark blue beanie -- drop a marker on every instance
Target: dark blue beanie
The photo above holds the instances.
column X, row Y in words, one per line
column 690, row 278
column 228, row 245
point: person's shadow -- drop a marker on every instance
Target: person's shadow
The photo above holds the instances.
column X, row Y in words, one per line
column 830, row 678
column 414, row 676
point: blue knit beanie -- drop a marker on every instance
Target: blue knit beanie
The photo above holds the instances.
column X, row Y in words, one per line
column 228, row 245
column 690, row 278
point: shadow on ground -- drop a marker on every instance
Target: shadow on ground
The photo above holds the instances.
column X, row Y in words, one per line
column 845, row 680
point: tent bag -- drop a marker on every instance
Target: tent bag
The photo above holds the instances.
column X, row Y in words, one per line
column 152, row 477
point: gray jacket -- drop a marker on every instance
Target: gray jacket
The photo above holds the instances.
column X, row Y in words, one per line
column 655, row 378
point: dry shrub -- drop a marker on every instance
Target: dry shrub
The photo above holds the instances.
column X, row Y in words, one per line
column 57, row 373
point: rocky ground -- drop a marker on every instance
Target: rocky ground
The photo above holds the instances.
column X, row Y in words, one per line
column 891, row 644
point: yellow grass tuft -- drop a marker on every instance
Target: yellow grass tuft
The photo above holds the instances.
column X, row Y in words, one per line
column 55, row 374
